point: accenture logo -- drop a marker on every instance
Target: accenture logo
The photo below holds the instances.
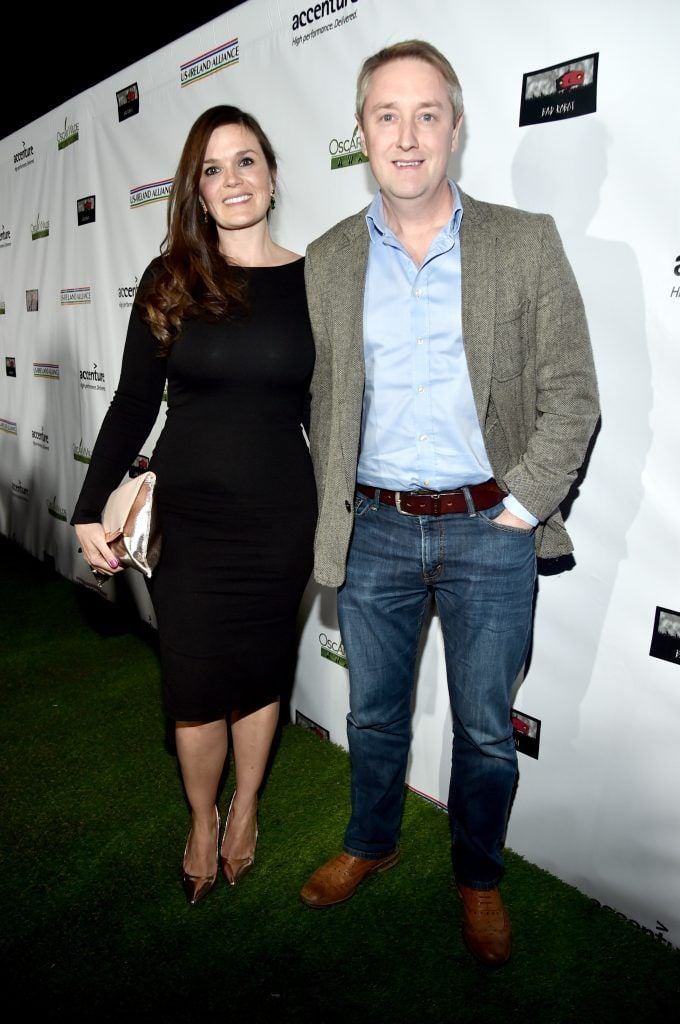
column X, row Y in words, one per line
column 126, row 294
column 41, row 439
column 24, row 158
column 316, row 12
column 93, row 380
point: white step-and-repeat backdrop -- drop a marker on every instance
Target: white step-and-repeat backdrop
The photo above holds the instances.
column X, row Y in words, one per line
column 572, row 111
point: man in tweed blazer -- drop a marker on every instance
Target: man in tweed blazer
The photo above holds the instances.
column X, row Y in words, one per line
column 453, row 399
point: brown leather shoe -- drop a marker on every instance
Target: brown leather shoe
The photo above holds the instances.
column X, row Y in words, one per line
column 486, row 925
column 340, row 877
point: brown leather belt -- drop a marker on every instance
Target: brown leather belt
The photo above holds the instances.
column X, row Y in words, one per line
column 433, row 503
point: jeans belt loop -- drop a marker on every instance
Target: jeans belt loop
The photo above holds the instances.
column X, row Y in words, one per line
column 469, row 501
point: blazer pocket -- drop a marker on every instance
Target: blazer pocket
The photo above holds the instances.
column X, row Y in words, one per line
column 511, row 343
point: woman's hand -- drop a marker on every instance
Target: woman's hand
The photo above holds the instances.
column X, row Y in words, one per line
column 96, row 551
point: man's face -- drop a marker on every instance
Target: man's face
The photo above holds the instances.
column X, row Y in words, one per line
column 407, row 130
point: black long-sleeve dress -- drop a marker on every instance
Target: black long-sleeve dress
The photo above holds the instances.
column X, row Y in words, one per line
column 235, row 489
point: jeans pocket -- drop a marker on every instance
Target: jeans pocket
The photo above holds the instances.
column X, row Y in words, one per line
column 490, row 515
column 362, row 504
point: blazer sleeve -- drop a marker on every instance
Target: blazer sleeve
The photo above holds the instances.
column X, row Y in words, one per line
column 321, row 385
column 565, row 400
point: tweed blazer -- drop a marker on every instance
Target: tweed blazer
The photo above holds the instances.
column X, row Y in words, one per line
column 528, row 354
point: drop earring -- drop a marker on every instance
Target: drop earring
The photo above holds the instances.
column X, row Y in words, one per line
column 272, row 201
column 205, row 210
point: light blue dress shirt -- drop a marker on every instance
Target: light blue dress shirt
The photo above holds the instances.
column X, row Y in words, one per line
column 419, row 425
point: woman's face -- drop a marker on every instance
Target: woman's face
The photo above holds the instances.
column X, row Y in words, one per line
column 236, row 183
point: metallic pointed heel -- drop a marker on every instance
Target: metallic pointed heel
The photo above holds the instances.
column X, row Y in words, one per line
column 235, row 870
column 197, row 887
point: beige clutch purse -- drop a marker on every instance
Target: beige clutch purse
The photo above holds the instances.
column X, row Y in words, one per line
column 131, row 524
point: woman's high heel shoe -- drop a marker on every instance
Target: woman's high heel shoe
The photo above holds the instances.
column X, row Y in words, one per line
column 235, row 870
column 197, row 887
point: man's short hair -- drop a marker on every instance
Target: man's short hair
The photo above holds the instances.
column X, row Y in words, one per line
column 420, row 50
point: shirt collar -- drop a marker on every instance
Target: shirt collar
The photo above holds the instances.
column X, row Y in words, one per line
column 379, row 231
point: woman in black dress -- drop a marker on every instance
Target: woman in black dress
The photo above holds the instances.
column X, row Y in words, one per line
column 221, row 315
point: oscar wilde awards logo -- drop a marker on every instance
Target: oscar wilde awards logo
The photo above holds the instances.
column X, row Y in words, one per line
column 40, row 228
column 81, row 453
column 308, row 16
column 55, row 509
column 154, row 192
column 332, row 650
column 346, row 152
column 563, row 90
column 69, row 135
column 128, row 101
column 5, row 237
column 223, row 56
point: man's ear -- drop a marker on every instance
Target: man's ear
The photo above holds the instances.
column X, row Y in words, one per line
column 361, row 135
column 456, row 132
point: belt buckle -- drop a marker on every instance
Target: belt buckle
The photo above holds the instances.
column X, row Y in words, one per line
column 435, row 498
column 397, row 503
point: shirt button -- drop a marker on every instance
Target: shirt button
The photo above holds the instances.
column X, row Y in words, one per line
column 423, row 437
column 417, row 293
column 420, row 390
column 419, row 341
column 426, row 482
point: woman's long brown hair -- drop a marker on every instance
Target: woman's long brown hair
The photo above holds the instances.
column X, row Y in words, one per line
column 194, row 280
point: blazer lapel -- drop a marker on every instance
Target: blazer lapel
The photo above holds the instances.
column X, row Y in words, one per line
column 478, row 262
column 355, row 259
column 349, row 340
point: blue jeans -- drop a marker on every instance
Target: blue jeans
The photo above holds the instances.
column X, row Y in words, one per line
column 482, row 576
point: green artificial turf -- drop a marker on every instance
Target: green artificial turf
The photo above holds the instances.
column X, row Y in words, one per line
column 95, row 925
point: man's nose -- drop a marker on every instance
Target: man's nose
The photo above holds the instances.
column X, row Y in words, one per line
column 407, row 135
